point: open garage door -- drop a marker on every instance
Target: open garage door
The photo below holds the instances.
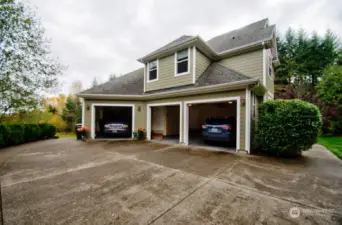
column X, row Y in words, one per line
column 213, row 123
column 113, row 121
column 164, row 122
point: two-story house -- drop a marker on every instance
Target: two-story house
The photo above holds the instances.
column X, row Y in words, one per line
column 188, row 80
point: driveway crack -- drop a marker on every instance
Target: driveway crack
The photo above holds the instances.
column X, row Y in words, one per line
column 193, row 191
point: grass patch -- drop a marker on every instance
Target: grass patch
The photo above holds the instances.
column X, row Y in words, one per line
column 334, row 144
column 66, row 134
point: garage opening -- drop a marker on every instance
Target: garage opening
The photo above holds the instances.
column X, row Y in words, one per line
column 165, row 123
column 113, row 122
column 213, row 124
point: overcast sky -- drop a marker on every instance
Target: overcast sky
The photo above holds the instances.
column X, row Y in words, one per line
column 97, row 37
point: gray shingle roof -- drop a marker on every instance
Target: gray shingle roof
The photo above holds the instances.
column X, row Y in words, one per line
column 133, row 83
column 129, row 84
column 218, row 74
column 251, row 33
column 178, row 41
column 254, row 32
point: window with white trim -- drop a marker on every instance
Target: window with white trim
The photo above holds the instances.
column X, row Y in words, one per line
column 153, row 70
column 270, row 59
column 182, row 62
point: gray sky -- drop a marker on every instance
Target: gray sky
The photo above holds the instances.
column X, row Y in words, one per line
column 97, row 37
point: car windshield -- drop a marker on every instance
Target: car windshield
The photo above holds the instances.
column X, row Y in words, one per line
column 217, row 121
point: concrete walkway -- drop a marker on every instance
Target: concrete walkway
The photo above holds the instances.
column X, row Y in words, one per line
column 70, row 182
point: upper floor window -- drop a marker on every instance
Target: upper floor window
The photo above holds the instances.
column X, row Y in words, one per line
column 153, row 70
column 270, row 59
column 182, row 62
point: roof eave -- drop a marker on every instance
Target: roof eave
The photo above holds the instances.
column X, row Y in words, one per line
column 190, row 91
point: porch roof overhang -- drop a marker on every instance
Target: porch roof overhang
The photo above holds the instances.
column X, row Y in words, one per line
column 176, row 93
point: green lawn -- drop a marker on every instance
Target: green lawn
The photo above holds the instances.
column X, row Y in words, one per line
column 66, row 135
column 334, row 144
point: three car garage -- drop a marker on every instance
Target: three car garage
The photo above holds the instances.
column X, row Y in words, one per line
column 172, row 121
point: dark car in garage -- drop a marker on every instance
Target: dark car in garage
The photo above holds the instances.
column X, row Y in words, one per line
column 221, row 129
column 120, row 129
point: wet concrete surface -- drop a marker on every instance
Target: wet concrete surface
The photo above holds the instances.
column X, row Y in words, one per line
column 70, row 182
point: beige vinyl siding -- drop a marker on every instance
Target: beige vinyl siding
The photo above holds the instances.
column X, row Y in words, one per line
column 269, row 84
column 249, row 64
column 269, row 79
column 202, row 62
column 166, row 74
column 140, row 116
column 239, row 93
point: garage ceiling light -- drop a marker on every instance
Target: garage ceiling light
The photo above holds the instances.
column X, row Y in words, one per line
column 230, row 102
column 189, row 104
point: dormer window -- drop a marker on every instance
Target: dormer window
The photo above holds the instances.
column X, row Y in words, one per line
column 152, row 71
column 182, row 62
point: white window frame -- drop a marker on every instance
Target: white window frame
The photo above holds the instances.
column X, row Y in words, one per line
column 176, row 63
column 270, row 65
column 148, row 71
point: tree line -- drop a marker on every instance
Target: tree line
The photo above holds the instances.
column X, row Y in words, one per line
column 311, row 70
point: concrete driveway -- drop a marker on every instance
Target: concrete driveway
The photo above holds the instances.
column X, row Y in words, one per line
column 65, row 181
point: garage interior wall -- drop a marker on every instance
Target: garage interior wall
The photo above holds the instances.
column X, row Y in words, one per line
column 200, row 112
column 172, row 120
column 165, row 120
column 158, row 120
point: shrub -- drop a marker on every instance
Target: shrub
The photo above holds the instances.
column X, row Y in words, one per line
column 47, row 130
column 287, row 127
column 15, row 134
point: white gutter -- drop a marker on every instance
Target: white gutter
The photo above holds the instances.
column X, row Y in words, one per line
column 194, row 90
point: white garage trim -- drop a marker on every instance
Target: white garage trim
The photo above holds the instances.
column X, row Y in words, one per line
column 248, row 121
column 186, row 116
column 149, row 119
column 92, row 125
column 83, row 110
column 194, row 64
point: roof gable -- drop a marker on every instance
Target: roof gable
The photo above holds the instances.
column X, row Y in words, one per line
column 176, row 42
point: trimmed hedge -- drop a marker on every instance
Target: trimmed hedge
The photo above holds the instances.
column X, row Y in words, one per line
column 287, row 127
column 15, row 134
